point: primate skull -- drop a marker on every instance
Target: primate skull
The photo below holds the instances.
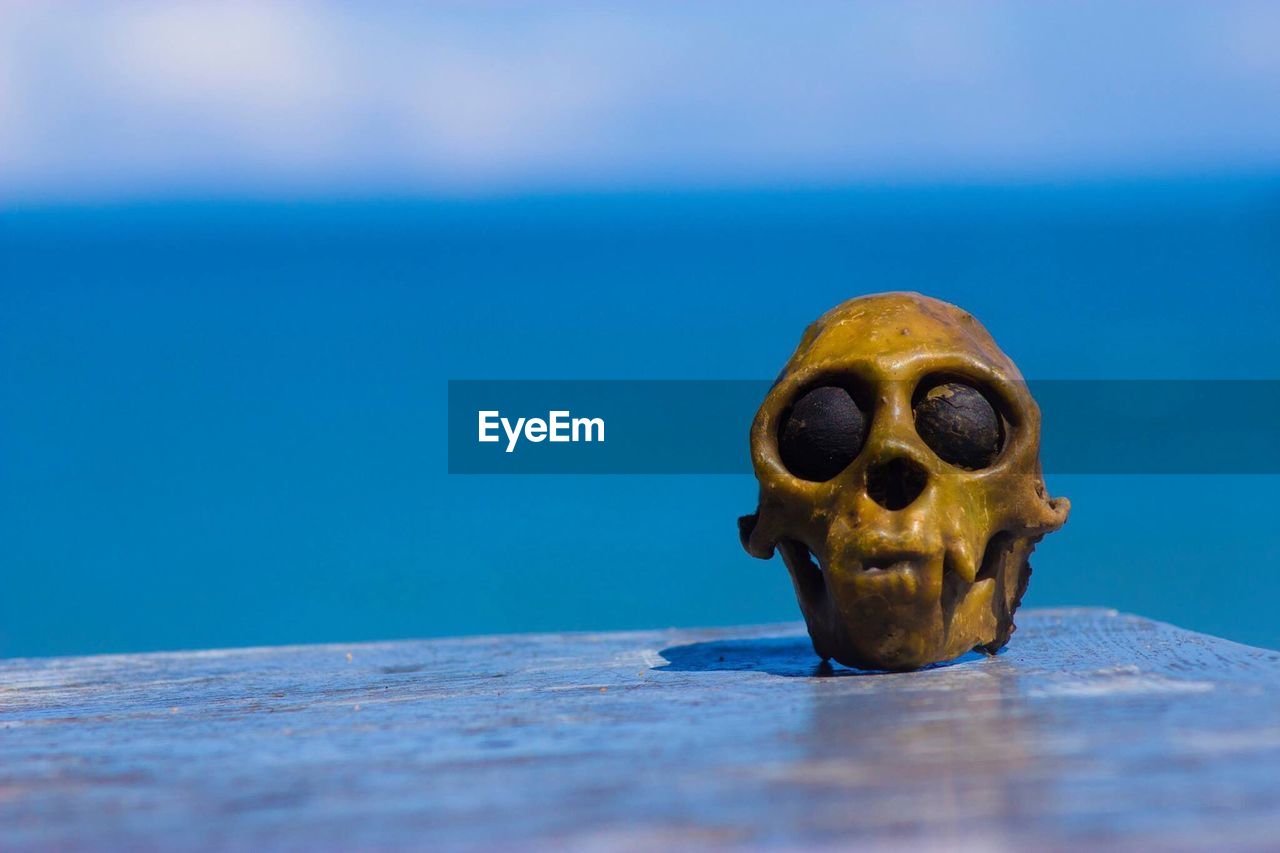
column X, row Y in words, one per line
column 899, row 468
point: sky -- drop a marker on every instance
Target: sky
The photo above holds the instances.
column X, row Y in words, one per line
column 116, row 101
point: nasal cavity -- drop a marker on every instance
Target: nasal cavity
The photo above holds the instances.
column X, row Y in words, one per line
column 895, row 484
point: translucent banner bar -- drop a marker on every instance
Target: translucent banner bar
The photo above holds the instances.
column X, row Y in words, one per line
column 701, row 427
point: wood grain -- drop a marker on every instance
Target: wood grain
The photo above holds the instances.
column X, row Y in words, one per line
column 1092, row 728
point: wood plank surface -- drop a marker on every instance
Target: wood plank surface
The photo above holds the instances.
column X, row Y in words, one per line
column 1092, row 728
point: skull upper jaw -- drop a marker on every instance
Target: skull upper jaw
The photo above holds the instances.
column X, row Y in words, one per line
column 912, row 613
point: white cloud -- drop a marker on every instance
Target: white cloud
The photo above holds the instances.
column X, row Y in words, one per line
column 257, row 55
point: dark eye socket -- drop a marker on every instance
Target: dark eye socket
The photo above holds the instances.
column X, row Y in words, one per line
column 959, row 424
column 822, row 433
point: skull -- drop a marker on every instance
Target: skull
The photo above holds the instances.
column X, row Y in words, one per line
column 899, row 468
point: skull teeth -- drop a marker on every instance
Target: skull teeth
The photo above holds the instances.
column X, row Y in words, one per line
column 885, row 568
column 894, row 563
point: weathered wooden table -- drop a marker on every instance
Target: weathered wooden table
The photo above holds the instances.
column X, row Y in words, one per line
column 1091, row 728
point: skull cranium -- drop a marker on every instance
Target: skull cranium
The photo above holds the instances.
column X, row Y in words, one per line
column 903, row 550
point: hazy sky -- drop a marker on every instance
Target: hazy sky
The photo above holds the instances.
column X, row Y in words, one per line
column 108, row 100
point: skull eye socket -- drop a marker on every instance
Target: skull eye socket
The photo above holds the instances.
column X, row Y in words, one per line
column 822, row 433
column 959, row 424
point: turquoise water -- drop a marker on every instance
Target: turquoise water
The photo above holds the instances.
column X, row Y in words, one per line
column 223, row 424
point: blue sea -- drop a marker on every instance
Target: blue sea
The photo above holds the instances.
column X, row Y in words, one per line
column 223, row 423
